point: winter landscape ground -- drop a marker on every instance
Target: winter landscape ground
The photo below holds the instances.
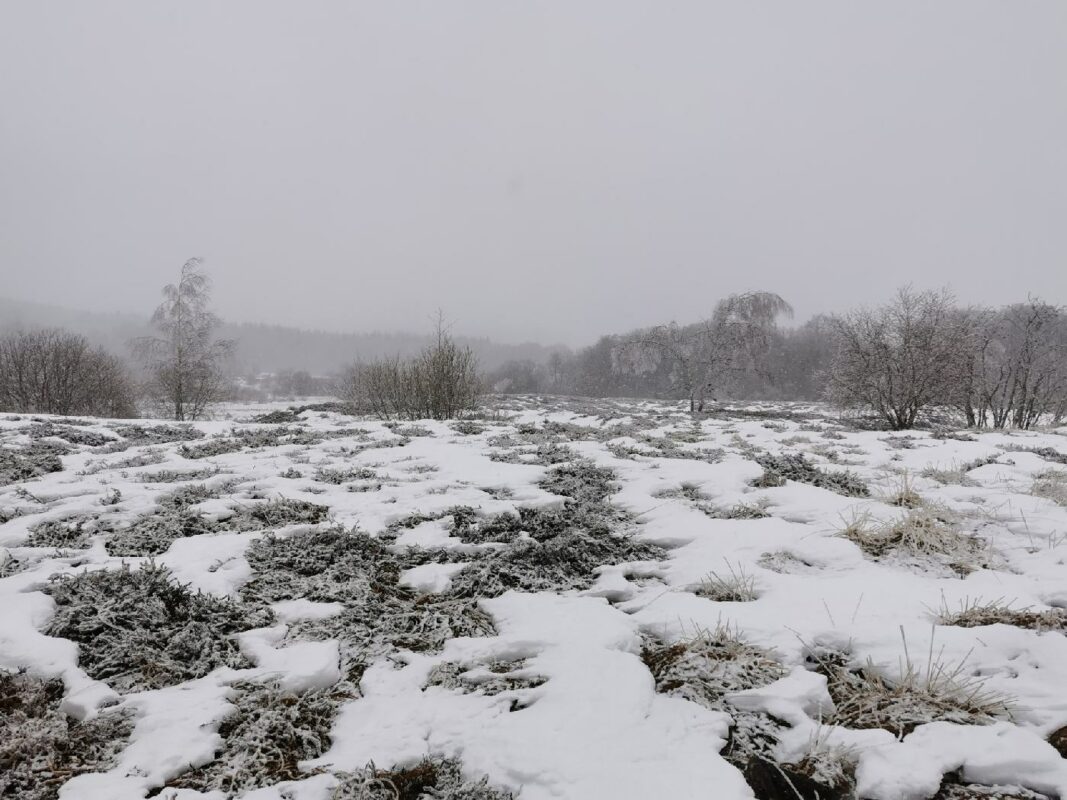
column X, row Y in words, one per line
column 560, row 599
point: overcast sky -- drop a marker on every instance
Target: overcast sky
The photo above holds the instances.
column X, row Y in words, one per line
column 540, row 170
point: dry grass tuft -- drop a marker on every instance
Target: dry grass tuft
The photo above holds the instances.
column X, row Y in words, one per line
column 904, row 495
column 926, row 532
column 975, row 614
column 735, row 587
column 865, row 698
column 1051, row 485
column 709, row 665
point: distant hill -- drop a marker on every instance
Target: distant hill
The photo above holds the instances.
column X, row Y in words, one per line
column 260, row 347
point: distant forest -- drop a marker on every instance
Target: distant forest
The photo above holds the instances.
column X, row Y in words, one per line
column 263, row 348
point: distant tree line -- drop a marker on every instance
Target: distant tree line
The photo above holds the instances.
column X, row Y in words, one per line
column 919, row 356
column 921, row 353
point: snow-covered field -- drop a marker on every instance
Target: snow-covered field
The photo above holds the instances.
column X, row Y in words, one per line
column 681, row 609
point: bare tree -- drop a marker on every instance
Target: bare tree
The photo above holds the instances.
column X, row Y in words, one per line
column 185, row 361
column 56, row 372
column 1018, row 366
column 902, row 358
column 709, row 354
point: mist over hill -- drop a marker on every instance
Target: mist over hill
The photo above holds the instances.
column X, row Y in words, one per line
column 260, row 347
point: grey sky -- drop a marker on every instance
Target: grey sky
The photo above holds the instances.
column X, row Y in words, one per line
column 541, row 170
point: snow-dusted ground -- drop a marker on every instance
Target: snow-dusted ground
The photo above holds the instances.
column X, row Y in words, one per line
column 593, row 725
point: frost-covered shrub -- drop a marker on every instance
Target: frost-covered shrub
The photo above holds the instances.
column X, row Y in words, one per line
column 434, row 778
column 559, row 552
column 694, row 495
column 553, row 549
column 323, row 566
column 544, row 455
column 466, row 427
column 362, row 573
column 27, row 463
column 138, row 435
column 581, row 481
column 267, row 736
column 152, row 534
column 795, row 467
column 70, row 434
column 215, row 446
column 177, row 475
column 41, row 747
column 140, row 629
column 491, row 678
column 61, row 533
column 339, row 476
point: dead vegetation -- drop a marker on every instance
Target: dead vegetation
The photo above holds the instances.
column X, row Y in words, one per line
column 733, row 586
column 268, row 734
column 777, row 469
column 488, row 678
column 140, row 629
column 864, row 697
column 696, row 497
column 26, row 463
column 152, row 534
column 1051, row 485
column 975, row 614
column 362, row 573
column 709, row 665
column 924, row 534
column 41, row 747
column 434, row 778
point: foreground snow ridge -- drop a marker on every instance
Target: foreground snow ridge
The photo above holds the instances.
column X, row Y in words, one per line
column 566, row 599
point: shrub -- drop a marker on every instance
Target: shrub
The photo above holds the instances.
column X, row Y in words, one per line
column 55, row 372
column 442, row 382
